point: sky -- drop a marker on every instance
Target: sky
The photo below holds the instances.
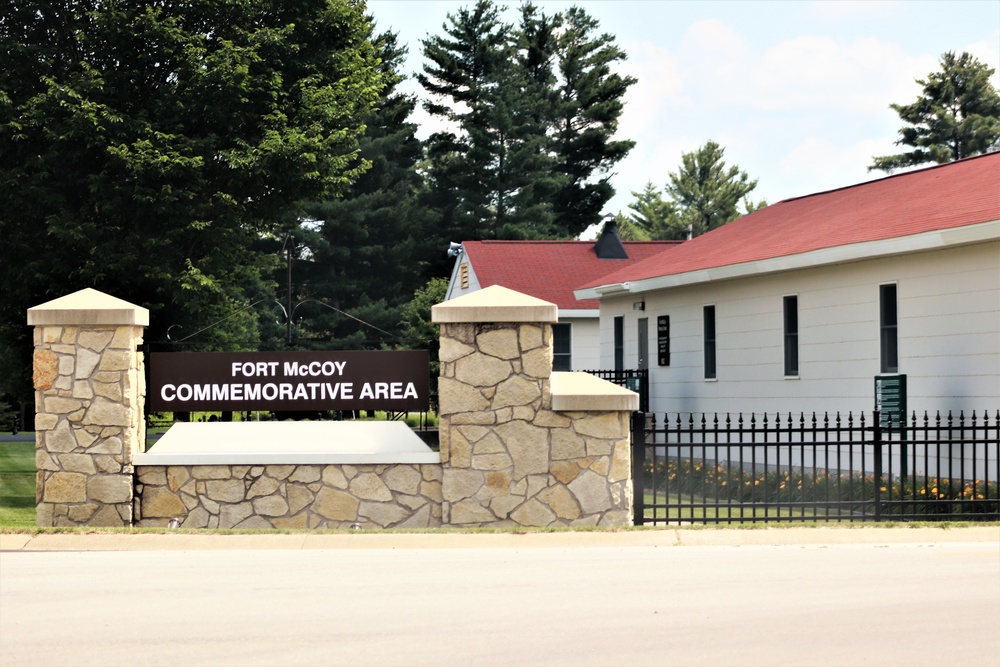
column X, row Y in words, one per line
column 796, row 92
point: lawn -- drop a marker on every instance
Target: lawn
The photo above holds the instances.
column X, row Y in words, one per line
column 688, row 513
column 17, row 485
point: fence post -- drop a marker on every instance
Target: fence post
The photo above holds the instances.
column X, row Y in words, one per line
column 877, row 438
column 638, row 467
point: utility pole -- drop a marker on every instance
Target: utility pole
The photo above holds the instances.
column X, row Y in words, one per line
column 288, row 249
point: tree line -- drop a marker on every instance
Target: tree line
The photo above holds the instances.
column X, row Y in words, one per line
column 251, row 173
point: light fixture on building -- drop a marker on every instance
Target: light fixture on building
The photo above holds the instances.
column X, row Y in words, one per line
column 638, row 305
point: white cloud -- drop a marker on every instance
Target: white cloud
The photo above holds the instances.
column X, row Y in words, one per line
column 658, row 88
column 988, row 52
column 714, row 40
column 804, row 72
column 816, row 163
column 821, row 72
column 798, row 93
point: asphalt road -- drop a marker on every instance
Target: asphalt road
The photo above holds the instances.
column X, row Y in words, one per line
column 599, row 604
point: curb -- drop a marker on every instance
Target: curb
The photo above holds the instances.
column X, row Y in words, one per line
column 177, row 541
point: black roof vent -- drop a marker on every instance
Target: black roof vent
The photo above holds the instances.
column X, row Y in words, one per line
column 609, row 243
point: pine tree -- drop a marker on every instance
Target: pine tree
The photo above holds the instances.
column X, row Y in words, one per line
column 958, row 115
column 706, row 192
column 656, row 217
column 529, row 161
column 590, row 105
column 361, row 251
column 463, row 76
column 533, row 110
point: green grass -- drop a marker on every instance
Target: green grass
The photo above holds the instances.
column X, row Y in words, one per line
column 17, row 485
column 724, row 513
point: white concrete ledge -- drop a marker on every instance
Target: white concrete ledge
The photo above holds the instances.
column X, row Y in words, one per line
column 87, row 307
column 583, row 392
column 494, row 304
column 287, row 443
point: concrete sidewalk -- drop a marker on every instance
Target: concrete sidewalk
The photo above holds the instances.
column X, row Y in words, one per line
column 662, row 537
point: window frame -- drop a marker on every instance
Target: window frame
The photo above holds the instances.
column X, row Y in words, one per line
column 888, row 320
column 619, row 342
column 790, row 329
column 710, row 341
column 567, row 355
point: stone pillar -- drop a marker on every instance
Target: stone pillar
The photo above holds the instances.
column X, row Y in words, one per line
column 89, row 394
column 508, row 457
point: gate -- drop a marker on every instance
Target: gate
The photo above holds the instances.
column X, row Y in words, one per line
column 689, row 469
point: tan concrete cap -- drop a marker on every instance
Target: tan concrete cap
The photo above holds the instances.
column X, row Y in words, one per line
column 86, row 307
column 495, row 304
column 580, row 392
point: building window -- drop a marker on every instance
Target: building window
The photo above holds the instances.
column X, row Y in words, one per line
column 709, row 334
column 888, row 329
column 562, row 359
column 463, row 272
column 791, row 336
column 642, row 343
column 620, row 343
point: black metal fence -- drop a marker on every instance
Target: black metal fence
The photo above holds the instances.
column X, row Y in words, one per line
column 701, row 469
column 636, row 379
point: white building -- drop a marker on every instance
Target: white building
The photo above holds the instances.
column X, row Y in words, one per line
column 798, row 307
column 549, row 270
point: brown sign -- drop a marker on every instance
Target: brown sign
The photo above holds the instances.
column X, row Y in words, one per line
column 289, row 381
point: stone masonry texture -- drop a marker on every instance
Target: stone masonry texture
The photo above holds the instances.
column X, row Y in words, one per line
column 289, row 496
column 89, row 390
column 509, row 460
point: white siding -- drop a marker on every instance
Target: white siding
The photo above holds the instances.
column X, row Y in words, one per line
column 455, row 288
column 585, row 339
column 949, row 336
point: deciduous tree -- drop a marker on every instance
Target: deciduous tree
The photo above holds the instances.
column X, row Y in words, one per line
column 146, row 147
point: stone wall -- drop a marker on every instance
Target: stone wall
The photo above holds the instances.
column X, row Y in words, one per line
column 516, row 450
column 290, row 496
column 510, row 458
column 89, row 390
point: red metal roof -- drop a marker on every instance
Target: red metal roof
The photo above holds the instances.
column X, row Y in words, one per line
column 954, row 194
column 551, row 270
